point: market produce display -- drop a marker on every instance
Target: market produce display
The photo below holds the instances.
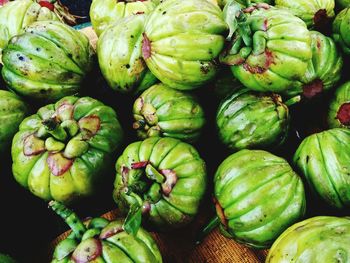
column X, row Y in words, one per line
column 236, row 111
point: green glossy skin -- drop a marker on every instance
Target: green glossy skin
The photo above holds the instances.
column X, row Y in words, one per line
column 277, row 57
column 181, row 41
column 325, row 68
column 12, row 112
column 314, row 12
column 323, row 159
column 6, row 258
column 163, row 111
column 120, row 58
column 341, row 30
column 106, row 12
column 60, row 153
column 342, row 3
column 317, row 239
column 249, row 120
column 16, row 15
column 340, row 98
column 48, row 61
column 222, row 3
column 171, row 201
column 258, row 196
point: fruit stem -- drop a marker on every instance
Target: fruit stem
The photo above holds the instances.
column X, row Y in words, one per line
column 293, row 101
column 213, row 223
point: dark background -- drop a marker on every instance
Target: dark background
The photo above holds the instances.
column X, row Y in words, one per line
column 28, row 226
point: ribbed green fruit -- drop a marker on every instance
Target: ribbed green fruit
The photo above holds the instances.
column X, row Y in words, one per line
column 252, row 120
column 258, row 196
column 339, row 108
column 323, row 158
column 163, row 111
column 317, row 239
column 62, row 151
column 222, row 3
column 341, row 30
column 120, row 58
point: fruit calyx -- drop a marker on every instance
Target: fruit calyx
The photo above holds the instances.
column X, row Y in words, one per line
column 313, row 88
column 343, row 114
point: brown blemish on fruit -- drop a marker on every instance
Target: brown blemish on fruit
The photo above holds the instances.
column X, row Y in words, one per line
column 146, row 47
column 343, row 114
column 139, row 165
column 170, row 181
column 33, row 146
column 313, row 88
column 220, row 213
column 58, row 164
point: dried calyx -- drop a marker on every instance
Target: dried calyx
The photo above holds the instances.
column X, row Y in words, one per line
column 60, row 10
column 343, row 114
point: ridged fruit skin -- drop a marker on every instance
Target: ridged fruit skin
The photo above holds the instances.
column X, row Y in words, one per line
column 16, row 15
column 182, row 39
column 325, row 68
column 120, row 58
column 314, row 12
column 106, row 12
column 250, row 120
column 174, row 202
column 323, row 159
column 258, row 196
column 62, row 151
column 338, row 113
column 278, row 57
column 12, row 112
column 341, row 30
column 165, row 112
column 222, row 3
column 48, row 61
column 317, row 239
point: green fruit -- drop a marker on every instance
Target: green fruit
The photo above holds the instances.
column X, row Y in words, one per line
column 247, row 119
column 317, row 239
column 222, row 3
column 182, row 39
column 323, row 159
column 102, row 241
column 120, row 58
column 162, row 177
column 163, row 111
column 6, row 258
column 12, row 112
column 341, row 30
column 315, row 13
column 342, row 3
column 339, row 108
column 106, row 12
column 48, row 61
column 324, row 69
column 258, row 196
column 270, row 49
column 61, row 152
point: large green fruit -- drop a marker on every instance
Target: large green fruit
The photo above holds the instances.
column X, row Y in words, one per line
column 182, row 39
column 106, row 12
column 341, row 30
column 222, row 3
column 163, row 111
column 162, row 177
column 247, row 119
column 339, row 108
column 120, row 58
column 102, row 241
column 48, row 61
column 61, row 152
column 258, row 196
column 270, row 50
column 315, row 13
column 12, row 112
column 323, row 159
column 324, row 69
column 317, row 239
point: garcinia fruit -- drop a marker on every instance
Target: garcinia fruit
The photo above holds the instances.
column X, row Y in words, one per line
column 341, row 30
column 250, row 120
column 270, row 48
column 315, row 13
column 257, row 197
column 339, row 108
column 181, row 41
column 102, row 241
column 120, row 58
column 163, row 111
column 323, row 158
column 12, row 112
column 106, row 12
column 163, row 179
column 48, row 61
column 317, row 239
column 222, row 3
column 62, row 151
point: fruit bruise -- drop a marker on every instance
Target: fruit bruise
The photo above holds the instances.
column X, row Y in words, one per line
column 220, row 213
column 146, row 47
column 343, row 114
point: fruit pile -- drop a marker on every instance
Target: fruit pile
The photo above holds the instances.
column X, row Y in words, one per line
column 259, row 84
